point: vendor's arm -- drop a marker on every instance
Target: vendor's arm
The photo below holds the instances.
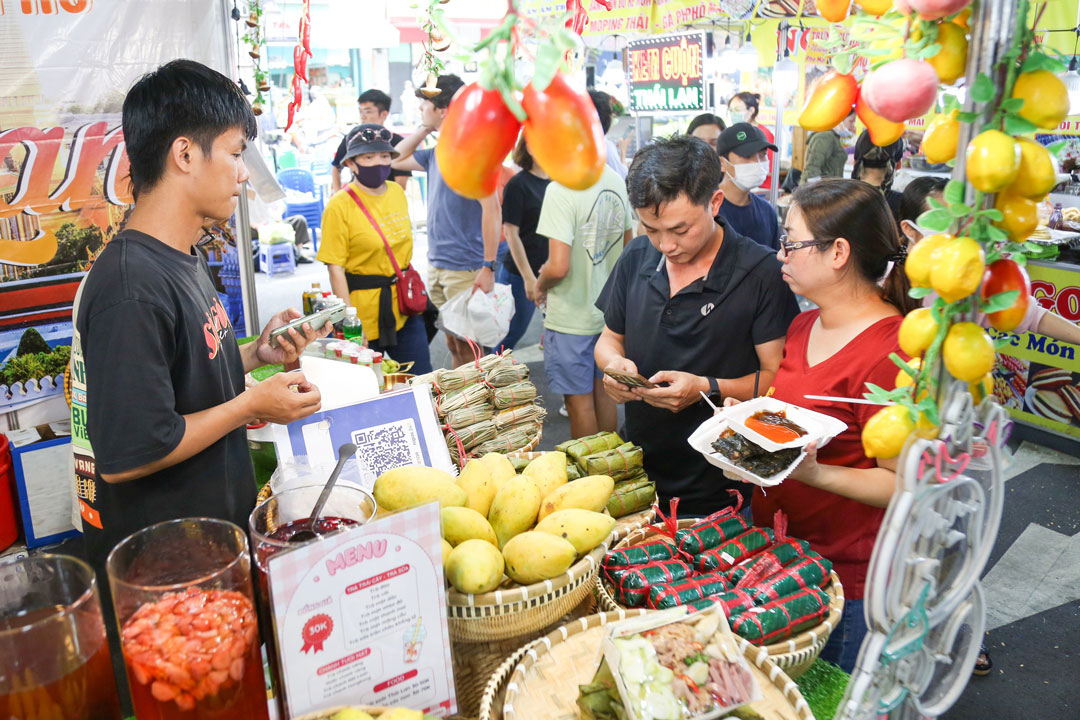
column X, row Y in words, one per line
column 1054, row 326
column 683, row 389
column 272, row 400
column 405, row 148
column 521, row 259
column 610, row 354
column 335, row 179
column 555, row 269
column 490, row 223
column 870, row 486
column 259, row 353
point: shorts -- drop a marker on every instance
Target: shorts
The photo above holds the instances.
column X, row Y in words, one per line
column 445, row 284
column 569, row 363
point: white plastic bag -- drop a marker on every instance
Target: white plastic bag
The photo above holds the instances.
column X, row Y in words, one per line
column 481, row 317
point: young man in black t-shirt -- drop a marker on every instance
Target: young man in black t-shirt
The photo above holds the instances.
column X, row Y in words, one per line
column 155, row 359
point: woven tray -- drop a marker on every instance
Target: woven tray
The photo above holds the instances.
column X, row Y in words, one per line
column 794, row 655
column 329, row 713
column 544, row 682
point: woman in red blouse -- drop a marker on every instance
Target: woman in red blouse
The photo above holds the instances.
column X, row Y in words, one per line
column 840, row 242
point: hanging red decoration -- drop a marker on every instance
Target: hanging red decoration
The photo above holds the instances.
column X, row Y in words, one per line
column 579, row 15
column 301, row 53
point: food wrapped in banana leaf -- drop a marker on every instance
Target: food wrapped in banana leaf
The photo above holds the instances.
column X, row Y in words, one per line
column 709, row 534
column 639, row 554
column 778, row 555
column 810, row 571
column 733, row 602
column 618, row 464
column 697, row 587
column 654, row 573
column 780, row 619
column 589, row 445
column 599, row 700
column 738, row 548
column 753, row 457
column 631, row 496
column 519, row 463
column 573, row 472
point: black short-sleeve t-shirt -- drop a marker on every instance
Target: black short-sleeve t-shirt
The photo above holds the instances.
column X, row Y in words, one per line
column 339, row 155
column 157, row 344
column 522, row 199
column 708, row 328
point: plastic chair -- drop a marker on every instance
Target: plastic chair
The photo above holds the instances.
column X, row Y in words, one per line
column 278, row 257
column 286, row 160
column 303, row 181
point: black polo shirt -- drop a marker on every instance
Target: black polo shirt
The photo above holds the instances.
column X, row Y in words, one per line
column 709, row 328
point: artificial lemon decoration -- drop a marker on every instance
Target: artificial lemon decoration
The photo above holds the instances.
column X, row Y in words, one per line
column 950, row 60
column 917, row 332
column 1046, row 100
column 887, row 431
column 902, row 377
column 1036, row 177
column 941, row 138
column 1020, row 216
column 875, row 7
column 924, row 428
column 993, row 161
column 921, row 259
column 968, row 352
column 958, row 269
column 982, row 389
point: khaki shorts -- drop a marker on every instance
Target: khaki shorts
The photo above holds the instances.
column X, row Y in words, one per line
column 445, row 284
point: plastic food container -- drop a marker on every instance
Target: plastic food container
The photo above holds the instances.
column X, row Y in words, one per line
column 819, row 427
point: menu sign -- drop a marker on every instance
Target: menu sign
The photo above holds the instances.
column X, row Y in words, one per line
column 360, row 618
column 665, row 73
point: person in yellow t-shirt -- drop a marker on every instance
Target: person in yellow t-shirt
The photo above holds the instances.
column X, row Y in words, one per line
column 356, row 256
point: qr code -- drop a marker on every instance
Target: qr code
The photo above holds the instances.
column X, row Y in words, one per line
column 385, row 447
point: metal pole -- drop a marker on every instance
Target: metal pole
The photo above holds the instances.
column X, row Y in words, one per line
column 778, row 133
column 247, row 266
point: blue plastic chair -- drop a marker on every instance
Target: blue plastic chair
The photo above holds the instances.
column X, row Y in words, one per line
column 276, row 258
column 303, row 181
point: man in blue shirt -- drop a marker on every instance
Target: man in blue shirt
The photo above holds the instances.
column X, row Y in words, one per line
column 744, row 157
column 463, row 234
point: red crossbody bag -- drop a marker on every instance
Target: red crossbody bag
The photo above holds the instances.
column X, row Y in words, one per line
column 412, row 295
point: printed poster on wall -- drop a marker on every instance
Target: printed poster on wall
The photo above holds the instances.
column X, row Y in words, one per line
column 360, row 618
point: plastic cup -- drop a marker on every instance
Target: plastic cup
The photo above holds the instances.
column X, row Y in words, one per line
column 188, row 625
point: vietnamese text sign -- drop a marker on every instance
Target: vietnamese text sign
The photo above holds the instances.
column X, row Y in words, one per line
column 360, row 617
column 665, row 73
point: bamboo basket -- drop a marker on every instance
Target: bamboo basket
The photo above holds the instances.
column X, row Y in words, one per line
column 794, row 655
column 543, row 681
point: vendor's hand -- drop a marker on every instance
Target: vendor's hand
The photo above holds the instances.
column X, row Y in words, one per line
column 282, row 398
column 616, row 390
column 485, row 281
column 683, row 390
column 808, row 471
column 731, row 402
column 291, row 345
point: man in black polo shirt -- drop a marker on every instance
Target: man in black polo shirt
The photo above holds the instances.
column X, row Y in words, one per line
column 693, row 306
column 374, row 108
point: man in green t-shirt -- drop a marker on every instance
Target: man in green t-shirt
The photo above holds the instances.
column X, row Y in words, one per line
column 586, row 231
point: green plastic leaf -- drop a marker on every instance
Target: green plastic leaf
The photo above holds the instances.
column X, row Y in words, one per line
column 1002, row 341
column 1012, row 104
column 983, row 89
column 928, row 52
column 967, row 117
column 934, row 203
column 1016, row 125
column 902, row 364
column 1057, row 147
column 996, row 234
column 959, row 210
column 951, row 103
column 1040, row 61
column 936, row 220
column 919, row 292
column 548, row 61
column 877, row 394
column 929, row 408
column 954, row 189
column 992, row 214
column 1001, row 301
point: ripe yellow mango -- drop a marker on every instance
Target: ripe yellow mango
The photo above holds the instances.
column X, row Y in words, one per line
column 584, row 529
column 411, row 485
column 475, row 480
column 475, row 566
column 500, row 467
column 514, row 508
column 461, row 523
column 588, row 493
column 548, row 472
column 447, row 548
column 534, row 556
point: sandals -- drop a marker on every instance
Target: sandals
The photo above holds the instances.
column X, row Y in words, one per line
column 983, row 664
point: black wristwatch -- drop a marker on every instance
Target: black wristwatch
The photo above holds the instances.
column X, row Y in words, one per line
column 714, row 390
column 489, row 264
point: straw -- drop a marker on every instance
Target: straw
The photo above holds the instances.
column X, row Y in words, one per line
column 466, row 397
column 516, row 394
column 515, row 416
column 468, row 415
column 503, row 375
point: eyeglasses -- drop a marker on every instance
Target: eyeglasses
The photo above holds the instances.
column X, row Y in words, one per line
column 789, row 247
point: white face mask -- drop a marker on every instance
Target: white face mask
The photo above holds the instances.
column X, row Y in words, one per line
column 750, row 175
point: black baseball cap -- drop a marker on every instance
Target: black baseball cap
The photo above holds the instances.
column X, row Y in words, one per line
column 743, row 139
column 369, row 138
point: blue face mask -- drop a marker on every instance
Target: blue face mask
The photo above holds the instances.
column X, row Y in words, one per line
column 371, row 176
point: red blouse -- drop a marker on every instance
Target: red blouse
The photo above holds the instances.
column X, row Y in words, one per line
column 841, row 529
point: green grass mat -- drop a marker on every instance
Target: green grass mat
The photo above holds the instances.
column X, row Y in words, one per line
column 823, row 687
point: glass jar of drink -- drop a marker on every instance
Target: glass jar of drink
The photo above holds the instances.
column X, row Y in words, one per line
column 54, row 657
column 188, row 627
column 283, row 515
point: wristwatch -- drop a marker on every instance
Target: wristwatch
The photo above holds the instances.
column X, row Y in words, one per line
column 489, row 264
column 714, row 390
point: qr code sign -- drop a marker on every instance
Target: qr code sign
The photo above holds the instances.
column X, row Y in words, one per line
column 385, row 447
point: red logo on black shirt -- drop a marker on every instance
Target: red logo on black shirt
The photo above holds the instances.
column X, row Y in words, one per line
column 216, row 327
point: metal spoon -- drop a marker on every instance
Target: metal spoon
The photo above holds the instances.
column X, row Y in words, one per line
column 308, row 534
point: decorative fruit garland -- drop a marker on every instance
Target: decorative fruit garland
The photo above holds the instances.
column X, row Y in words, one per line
column 253, row 36
column 975, row 262
column 301, row 53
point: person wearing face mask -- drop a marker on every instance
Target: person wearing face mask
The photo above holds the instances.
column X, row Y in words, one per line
column 743, row 152
column 744, row 107
column 825, row 153
column 356, row 256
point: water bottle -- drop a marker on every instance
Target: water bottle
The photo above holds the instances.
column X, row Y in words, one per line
column 351, row 326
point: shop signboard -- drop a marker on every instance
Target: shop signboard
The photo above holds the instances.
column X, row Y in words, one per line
column 1037, row 378
column 665, row 73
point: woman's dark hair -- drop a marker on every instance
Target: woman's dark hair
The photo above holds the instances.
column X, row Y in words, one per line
column 181, row 98
column 851, row 209
column 869, row 155
column 602, row 102
column 521, row 155
column 377, row 98
column 669, row 167
column 752, row 101
column 913, row 201
column 705, row 119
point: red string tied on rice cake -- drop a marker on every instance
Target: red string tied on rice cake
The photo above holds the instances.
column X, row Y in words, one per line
column 726, row 556
column 812, row 571
column 686, row 591
column 780, row 619
column 765, row 563
column 632, row 584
